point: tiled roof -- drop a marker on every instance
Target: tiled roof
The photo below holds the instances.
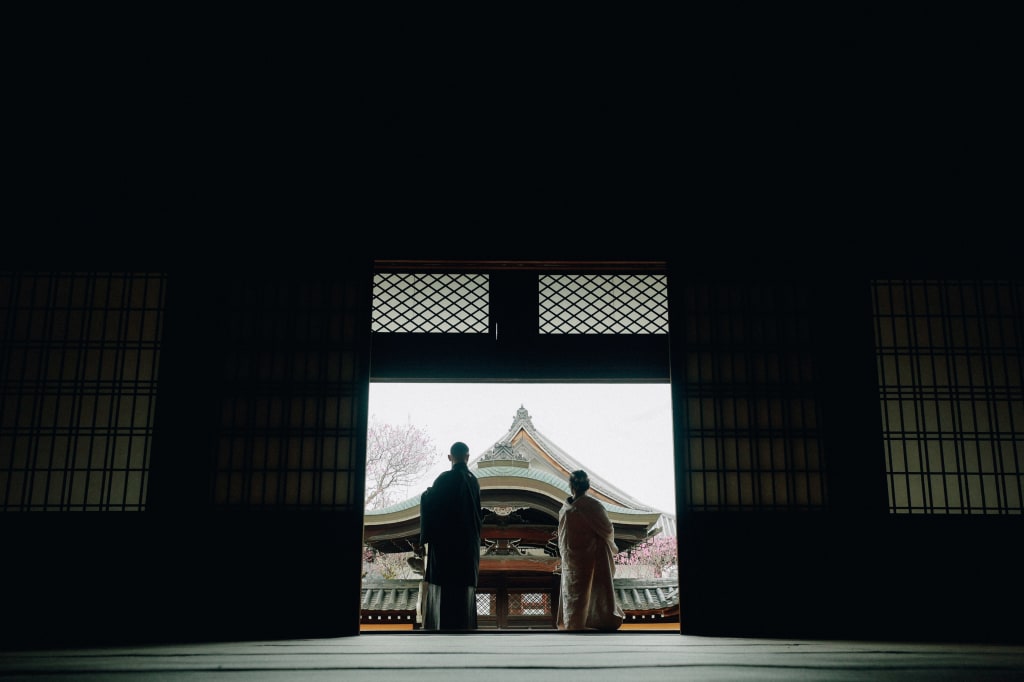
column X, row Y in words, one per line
column 637, row 594
column 524, row 421
column 516, row 472
column 551, row 479
column 526, row 462
column 633, row 594
column 390, row 595
column 409, row 503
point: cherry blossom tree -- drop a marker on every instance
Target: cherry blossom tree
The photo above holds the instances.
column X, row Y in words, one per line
column 396, row 457
column 653, row 558
column 388, row 566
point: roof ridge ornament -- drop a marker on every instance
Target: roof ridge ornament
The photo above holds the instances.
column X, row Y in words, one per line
column 502, row 450
column 523, row 418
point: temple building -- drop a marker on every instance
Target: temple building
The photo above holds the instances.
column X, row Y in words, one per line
column 523, row 483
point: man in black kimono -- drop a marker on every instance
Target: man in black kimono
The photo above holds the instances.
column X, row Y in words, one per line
column 450, row 529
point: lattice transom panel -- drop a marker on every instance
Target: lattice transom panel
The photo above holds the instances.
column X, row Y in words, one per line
column 485, row 603
column 443, row 303
column 603, row 304
column 529, row 604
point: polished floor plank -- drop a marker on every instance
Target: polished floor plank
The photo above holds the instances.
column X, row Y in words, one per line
column 480, row 657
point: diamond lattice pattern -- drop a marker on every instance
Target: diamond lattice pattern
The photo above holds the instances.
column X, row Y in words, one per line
column 485, row 603
column 603, row 304
column 430, row 303
column 529, row 604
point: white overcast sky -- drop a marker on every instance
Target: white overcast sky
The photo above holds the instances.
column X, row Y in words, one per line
column 620, row 432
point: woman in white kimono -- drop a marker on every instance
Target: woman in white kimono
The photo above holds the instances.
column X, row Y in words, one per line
column 586, row 543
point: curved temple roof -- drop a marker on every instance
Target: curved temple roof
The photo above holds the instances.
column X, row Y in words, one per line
column 523, row 441
column 523, row 483
column 526, row 470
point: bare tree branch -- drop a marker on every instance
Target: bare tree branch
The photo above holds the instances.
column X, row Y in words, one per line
column 396, row 457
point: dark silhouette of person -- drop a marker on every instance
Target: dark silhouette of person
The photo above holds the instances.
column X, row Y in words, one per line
column 586, row 544
column 450, row 523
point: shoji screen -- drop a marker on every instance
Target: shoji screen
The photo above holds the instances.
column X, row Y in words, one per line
column 951, row 377
column 293, row 384
column 752, row 438
column 78, row 371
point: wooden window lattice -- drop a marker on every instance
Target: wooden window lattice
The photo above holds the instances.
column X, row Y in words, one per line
column 78, row 371
column 754, row 441
column 431, row 303
column 485, row 603
column 567, row 304
column 951, row 381
column 529, row 604
column 603, row 304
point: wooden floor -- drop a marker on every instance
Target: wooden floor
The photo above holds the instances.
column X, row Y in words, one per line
column 631, row 656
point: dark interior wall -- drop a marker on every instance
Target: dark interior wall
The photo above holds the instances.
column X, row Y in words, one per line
column 85, row 579
column 941, row 579
column 853, row 570
column 192, row 567
column 782, row 568
column 259, row 445
column 859, row 165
